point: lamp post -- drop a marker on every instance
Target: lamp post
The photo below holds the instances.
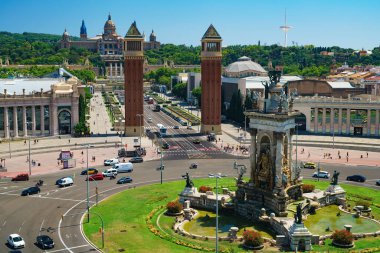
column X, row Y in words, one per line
column 297, row 124
column 217, row 175
column 101, row 219
column 30, row 165
column 87, row 183
column 161, row 166
column 9, row 143
column 140, row 116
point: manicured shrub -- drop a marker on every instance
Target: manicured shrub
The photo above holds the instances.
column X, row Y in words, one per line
column 174, row 207
column 204, row 189
column 342, row 237
column 252, row 238
column 308, row 188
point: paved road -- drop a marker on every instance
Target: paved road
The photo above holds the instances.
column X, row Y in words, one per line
column 41, row 214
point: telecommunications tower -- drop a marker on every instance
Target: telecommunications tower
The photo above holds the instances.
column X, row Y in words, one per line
column 285, row 28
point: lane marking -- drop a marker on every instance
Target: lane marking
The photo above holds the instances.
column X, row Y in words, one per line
column 21, row 226
column 39, row 233
column 58, row 250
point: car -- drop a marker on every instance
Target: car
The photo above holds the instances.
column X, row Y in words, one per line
column 66, row 181
column 356, row 178
column 321, row 174
column 309, row 165
column 59, row 180
column 210, row 175
column 95, row 177
column 124, row 180
column 378, row 182
column 123, row 167
column 197, row 141
column 21, row 177
column 45, row 242
column 165, row 145
column 15, row 241
column 109, row 162
column 176, row 127
column 189, row 127
column 193, row 166
column 136, row 160
column 30, row 191
column 110, row 172
column 150, row 120
column 91, row 171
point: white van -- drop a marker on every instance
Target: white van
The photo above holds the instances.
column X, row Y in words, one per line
column 67, row 181
column 123, row 167
column 110, row 172
column 111, row 161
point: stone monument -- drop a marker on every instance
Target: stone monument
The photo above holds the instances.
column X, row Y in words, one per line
column 189, row 190
column 300, row 236
column 274, row 179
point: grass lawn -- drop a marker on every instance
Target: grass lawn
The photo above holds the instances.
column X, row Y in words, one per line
column 353, row 194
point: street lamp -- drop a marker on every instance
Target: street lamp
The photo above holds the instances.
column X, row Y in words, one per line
column 87, row 184
column 100, row 217
column 30, row 165
column 161, row 166
column 216, row 176
column 9, row 143
column 140, row 116
column 297, row 125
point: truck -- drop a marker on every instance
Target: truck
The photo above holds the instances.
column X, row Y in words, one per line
column 127, row 153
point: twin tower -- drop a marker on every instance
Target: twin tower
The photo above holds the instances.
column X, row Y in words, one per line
column 211, row 68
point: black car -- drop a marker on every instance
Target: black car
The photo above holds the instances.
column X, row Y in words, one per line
column 196, row 141
column 165, row 145
column 124, row 180
column 378, row 182
column 30, row 191
column 356, row 178
column 136, row 160
column 45, row 242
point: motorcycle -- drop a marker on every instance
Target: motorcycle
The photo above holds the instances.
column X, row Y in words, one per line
column 40, row 183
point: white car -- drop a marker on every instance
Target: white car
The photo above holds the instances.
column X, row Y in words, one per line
column 15, row 241
column 110, row 172
column 67, row 181
column 110, row 162
column 321, row 174
column 150, row 120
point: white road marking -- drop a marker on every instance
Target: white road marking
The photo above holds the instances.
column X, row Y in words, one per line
column 58, row 250
column 21, row 226
column 39, row 233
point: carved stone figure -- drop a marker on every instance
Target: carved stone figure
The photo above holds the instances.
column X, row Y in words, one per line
column 189, row 183
column 298, row 214
column 264, row 169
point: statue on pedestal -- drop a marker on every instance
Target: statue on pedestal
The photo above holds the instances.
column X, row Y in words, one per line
column 264, row 170
column 189, row 183
column 298, row 214
column 334, row 179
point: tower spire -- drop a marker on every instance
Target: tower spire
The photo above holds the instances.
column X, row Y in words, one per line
column 286, row 29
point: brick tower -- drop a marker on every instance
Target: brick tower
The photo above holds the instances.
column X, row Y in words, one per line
column 133, row 81
column 211, row 69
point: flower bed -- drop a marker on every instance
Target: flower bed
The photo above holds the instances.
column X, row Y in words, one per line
column 342, row 238
column 184, row 114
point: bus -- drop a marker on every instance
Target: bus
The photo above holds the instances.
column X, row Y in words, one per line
column 162, row 130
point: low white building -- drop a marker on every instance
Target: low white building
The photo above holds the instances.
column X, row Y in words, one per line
column 193, row 82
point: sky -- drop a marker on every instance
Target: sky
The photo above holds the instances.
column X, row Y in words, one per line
column 345, row 23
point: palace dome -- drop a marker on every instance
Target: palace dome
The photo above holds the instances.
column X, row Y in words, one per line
column 244, row 67
column 109, row 26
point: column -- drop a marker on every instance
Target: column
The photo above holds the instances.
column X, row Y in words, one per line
column 315, row 120
column 253, row 154
column 42, row 119
column 377, row 123
column 24, row 122
column 369, row 122
column 308, row 119
column 324, row 120
column 278, row 163
column 110, row 69
column 53, row 119
column 348, row 120
column 33, row 120
column 340, row 113
column 332, row 120
column 121, row 69
column 289, row 136
column 6, row 123
column 15, row 125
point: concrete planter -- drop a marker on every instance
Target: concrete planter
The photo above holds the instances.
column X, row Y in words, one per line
column 173, row 214
column 345, row 246
column 253, row 247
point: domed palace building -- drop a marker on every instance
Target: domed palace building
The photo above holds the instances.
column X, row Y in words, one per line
column 108, row 44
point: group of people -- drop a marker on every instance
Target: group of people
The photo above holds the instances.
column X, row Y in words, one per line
column 35, row 141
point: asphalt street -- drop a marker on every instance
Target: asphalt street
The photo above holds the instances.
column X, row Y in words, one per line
column 42, row 213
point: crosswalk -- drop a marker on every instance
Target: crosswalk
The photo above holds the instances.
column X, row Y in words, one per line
column 167, row 127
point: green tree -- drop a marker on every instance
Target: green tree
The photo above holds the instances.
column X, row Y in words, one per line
column 197, row 93
column 236, row 111
column 180, row 90
column 84, row 74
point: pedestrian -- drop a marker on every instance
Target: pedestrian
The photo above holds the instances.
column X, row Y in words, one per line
column 308, row 155
column 69, row 141
column 58, row 162
column 347, row 158
column 82, row 152
column 367, row 154
column 24, row 142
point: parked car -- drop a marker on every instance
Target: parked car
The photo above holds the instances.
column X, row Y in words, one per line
column 66, row 181
column 110, row 172
column 30, row 191
column 45, row 242
column 309, row 165
column 91, row 171
column 136, row 160
column 165, row 145
column 110, row 162
column 95, row 177
column 197, row 141
column 176, row 127
column 124, row 180
column 123, row 167
column 356, row 178
column 321, row 174
column 15, row 241
column 21, row 177
column 378, row 182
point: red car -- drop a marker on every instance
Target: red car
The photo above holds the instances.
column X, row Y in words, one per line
column 95, row 177
column 21, row 177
